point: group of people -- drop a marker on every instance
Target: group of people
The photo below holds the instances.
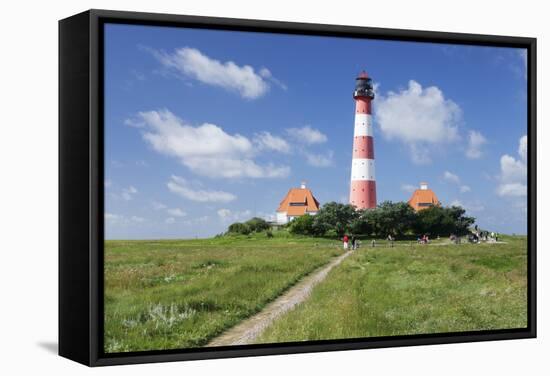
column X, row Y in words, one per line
column 475, row 236
column 424, row 239
column 353, row 240
column 454, row 239
column 479, row 236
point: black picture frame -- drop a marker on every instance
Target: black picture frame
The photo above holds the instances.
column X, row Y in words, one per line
column 81, row 185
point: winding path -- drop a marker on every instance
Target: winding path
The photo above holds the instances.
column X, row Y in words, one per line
column 248, row 330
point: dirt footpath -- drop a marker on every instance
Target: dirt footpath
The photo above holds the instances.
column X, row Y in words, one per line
column 248, row 330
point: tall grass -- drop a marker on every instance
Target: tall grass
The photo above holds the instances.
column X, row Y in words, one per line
column 414, row 290
column 169, row 294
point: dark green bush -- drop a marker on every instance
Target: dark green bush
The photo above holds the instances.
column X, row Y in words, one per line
column 257, row 224
column 239, row 228
column 302, row 225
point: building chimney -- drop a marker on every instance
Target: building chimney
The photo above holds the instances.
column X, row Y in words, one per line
column 303, row 185
column 423, row 186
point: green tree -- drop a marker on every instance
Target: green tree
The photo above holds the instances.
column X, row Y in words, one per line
column 461, row 222
column 239, row 228
column 302, row 225
column 257, row 224
column 334, row 216
column 363, row 223
column 439, row 220
column 394, row 218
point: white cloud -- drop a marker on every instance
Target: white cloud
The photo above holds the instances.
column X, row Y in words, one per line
column 266, row 141
column 112, row 217
column 142, row 163
column 176, row 212
column 224, row 213
column 513, row 173
column 512, row 169
column 138, row 75
column 270, row 217
column 455, row 179
column 457, row 203
column 120, row 219
column 451, row 178
column 129, row 193
column 471, row 207
column 207, row 149
column 319, row 160
column 512, row 189
column 170, row 220
column 158, row 205
column 376, row 88
column 307, row 135
column 108, row 183
column 420, row 118
column 522, row 149
column 523, row 57
column 475, row 142
column 420, row 154
column 216, row 167
column 182, row 188
column 229, row 215
column 266, row 73
column 200, row 220
column 192, row 63
column 409, row 188
column 475, row 207
column 136, row 123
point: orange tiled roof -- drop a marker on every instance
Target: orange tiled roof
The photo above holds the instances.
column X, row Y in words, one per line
column 422, row 199
column 303, row 201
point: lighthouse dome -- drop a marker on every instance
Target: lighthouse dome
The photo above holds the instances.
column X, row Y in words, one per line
column 363, row 86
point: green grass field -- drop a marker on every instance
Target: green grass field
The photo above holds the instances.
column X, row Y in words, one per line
column 412, row 290
column 171, row 294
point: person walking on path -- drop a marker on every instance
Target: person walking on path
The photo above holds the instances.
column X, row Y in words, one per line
column 353, row 242
column 390, row 240
column 346, row 241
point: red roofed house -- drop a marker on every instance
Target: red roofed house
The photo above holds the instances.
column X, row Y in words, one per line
column 423, row 198
column 297, row 202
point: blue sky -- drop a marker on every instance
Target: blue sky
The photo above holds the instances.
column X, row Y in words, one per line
column 204, row 128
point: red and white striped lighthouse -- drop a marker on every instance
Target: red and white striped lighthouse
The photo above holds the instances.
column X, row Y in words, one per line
column 363, row 183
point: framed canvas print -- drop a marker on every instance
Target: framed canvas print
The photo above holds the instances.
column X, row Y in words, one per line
column 241, row 187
